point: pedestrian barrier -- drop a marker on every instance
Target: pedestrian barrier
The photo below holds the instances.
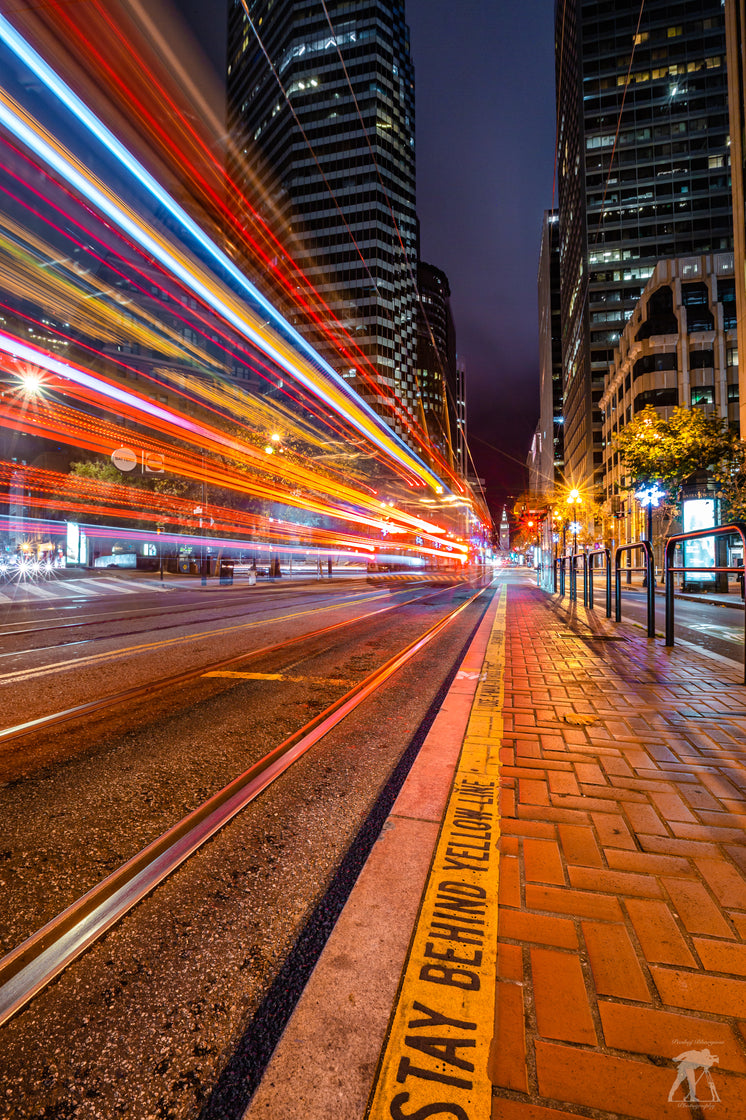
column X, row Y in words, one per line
column 559, row 566
column 605, row 552
column 649, row 568
column 564, row 563
column 737, row 527
column 576, row 556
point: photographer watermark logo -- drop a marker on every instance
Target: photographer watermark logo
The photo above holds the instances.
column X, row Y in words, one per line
column 693, row 1083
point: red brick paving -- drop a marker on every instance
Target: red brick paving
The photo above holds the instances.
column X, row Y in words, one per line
column 622, row 921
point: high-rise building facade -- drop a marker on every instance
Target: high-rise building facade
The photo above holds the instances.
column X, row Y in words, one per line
column 549, row 436
column 643, row 174
column 678, row 349
column 328, row 105
column 437, row 374
column 735, row 34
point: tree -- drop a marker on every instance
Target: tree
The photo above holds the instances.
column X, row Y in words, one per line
column 103, row 470
column 731, row 480
column 667, row 451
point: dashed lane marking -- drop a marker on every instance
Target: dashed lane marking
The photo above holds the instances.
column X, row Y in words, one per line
column 436, row 1055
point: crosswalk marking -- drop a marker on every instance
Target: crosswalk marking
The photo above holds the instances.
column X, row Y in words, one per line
column 24, row 591
column 77, row 587
column 117, row 585
column 37, row 592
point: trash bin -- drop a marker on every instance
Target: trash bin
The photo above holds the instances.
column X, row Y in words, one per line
column 226, row 571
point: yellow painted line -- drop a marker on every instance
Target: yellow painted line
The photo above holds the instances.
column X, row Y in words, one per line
column 434, row 1062
column 279, row 677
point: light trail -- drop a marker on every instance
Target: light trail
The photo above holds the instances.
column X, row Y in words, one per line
column 172, row 423
column 118, row 279
column 53, row 154
column 209, row 177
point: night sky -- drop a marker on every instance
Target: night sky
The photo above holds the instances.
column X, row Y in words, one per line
column 484, row 72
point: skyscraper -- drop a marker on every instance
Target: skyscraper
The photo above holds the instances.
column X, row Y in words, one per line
column 551, row 422
column 323, row 92
column 643, row 174
column 735, row 21
column 437, row 373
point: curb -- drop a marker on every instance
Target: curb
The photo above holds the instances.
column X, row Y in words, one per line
column 326, row 1060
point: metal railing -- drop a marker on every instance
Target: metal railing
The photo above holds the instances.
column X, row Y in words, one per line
column 607, row 567
column 559, row 566
column 648, row 568
column 737, row 527
column 576, row 556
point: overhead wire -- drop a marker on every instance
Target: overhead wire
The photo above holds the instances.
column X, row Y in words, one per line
column 413, row 278
column 328, row 185
column 402, row 408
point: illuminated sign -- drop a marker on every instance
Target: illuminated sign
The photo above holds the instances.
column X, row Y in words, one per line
column 699, row 513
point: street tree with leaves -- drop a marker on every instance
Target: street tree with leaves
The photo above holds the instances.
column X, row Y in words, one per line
column 654, row 449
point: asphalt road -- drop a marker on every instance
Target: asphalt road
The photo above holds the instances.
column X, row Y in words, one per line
column 173, row 1013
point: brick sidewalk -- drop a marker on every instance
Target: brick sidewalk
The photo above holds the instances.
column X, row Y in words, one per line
column 622, row 891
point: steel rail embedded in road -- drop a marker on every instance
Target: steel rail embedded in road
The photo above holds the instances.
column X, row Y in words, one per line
column 28, row 969
column 122, row 614
column 137, row 691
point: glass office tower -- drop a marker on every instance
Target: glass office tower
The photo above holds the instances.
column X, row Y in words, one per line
column 344, row 166
column 642, row 171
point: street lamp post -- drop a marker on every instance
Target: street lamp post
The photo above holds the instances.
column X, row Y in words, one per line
column 574, row 499
column 574, row 528
column 159, row 530
column 649, row 498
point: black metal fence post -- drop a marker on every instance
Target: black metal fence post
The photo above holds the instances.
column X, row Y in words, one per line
column 650, row 565
column 591, row 556
column 668, row 566
column 648, row 568
column 738, row 527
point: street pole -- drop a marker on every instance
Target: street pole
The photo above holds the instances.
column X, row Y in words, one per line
column 160, row 550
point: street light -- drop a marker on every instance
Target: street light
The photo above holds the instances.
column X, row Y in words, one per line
column 574, row 529
column 649, row 498
column 574, row 499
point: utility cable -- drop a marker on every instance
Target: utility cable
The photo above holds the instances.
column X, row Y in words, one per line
column 412, row 277
column 397, row 405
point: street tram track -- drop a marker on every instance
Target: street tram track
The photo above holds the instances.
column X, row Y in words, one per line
column 31, row 967
column 152, row 687
column 170, row 609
